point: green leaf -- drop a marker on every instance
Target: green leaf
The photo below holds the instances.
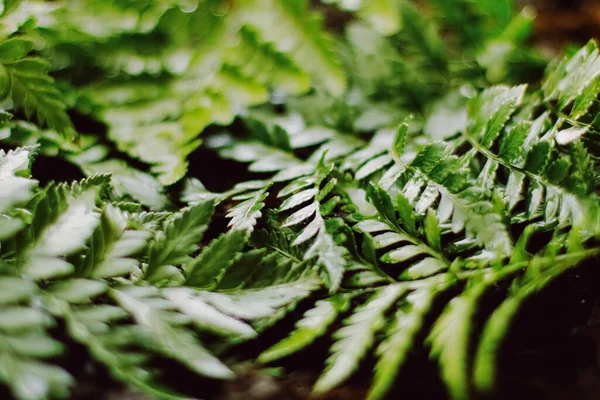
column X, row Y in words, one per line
column 179, row 238
column 432, row 230
column 78, row 290
column 356, row 337
column 205, row 316
column 451, row 334
column 64, row 236
column 245, row 214
column 330, row 257
column 538, row 158
column 381, row 200
column 312, row 326
column 254, row 304
column 206, row 270
column 575, row 80
column 449, row 339
column 400, row 338
column 490, row 111
column 15, row 318
column 14, row 290
column 426, row 267
column 170, row 339
column 112, row 246
column 513, row 141
column 34, row 91
column 14, row 49
column 306, row 38
column 142, row 187
column 400, row 140
column 14, row 173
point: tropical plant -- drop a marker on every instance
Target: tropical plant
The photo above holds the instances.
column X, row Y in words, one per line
column 396, row 177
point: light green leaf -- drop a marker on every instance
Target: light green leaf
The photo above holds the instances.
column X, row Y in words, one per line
column 432, row 230
column 179, row 238
column 402, row 333
column 356, row 337
column 206, row 270
column 205, row 316
column 313, row 324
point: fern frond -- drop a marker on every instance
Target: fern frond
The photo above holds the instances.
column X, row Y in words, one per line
column 112, row 246
column 245, row 214
column 166, row 331
column 313, row 325
column 329, row 255
column 262, row 303
column 575, row 82
column 30, row 86
column 356, row 337
column 206, row 270
column 267, row 65
column 127, row 181
column 177, row 240
column 402, row 332
column 382, row 15
column 531, row 160
column 62, row 225
column 303, row 34
column 399, row 239
column 26, row 344
column 17, row 187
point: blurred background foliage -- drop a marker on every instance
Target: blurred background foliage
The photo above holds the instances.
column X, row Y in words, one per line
column 152, row 76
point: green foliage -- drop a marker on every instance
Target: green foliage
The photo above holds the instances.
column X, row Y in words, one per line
column 26, row 81
column 397, row 174
column 82, row 260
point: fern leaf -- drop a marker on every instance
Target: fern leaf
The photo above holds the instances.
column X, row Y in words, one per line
column 195, row 193
column 206, row 270
column 83, row 325
column 14, row 170
column 449, row 338
column 466, row 207
column 205, row 316
column 275, row 261
column 451, row 333
column 170, row 338
column 356, row 337
column 529, row 162
column 17, row 188
column 179, row 238
column 329, row 255
column 112, row 246
column 262, row 157
column 575, row 81
column 264, row 63
column 254, row 304
column 31, row 87
column 490, row 111
column 245, row 214
column 303, row 34
column 401, row 335
column 313, row 325
column 402, row 244
column 142, row 187
column 67, row 234
column 89, row 325
column 25, row 344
